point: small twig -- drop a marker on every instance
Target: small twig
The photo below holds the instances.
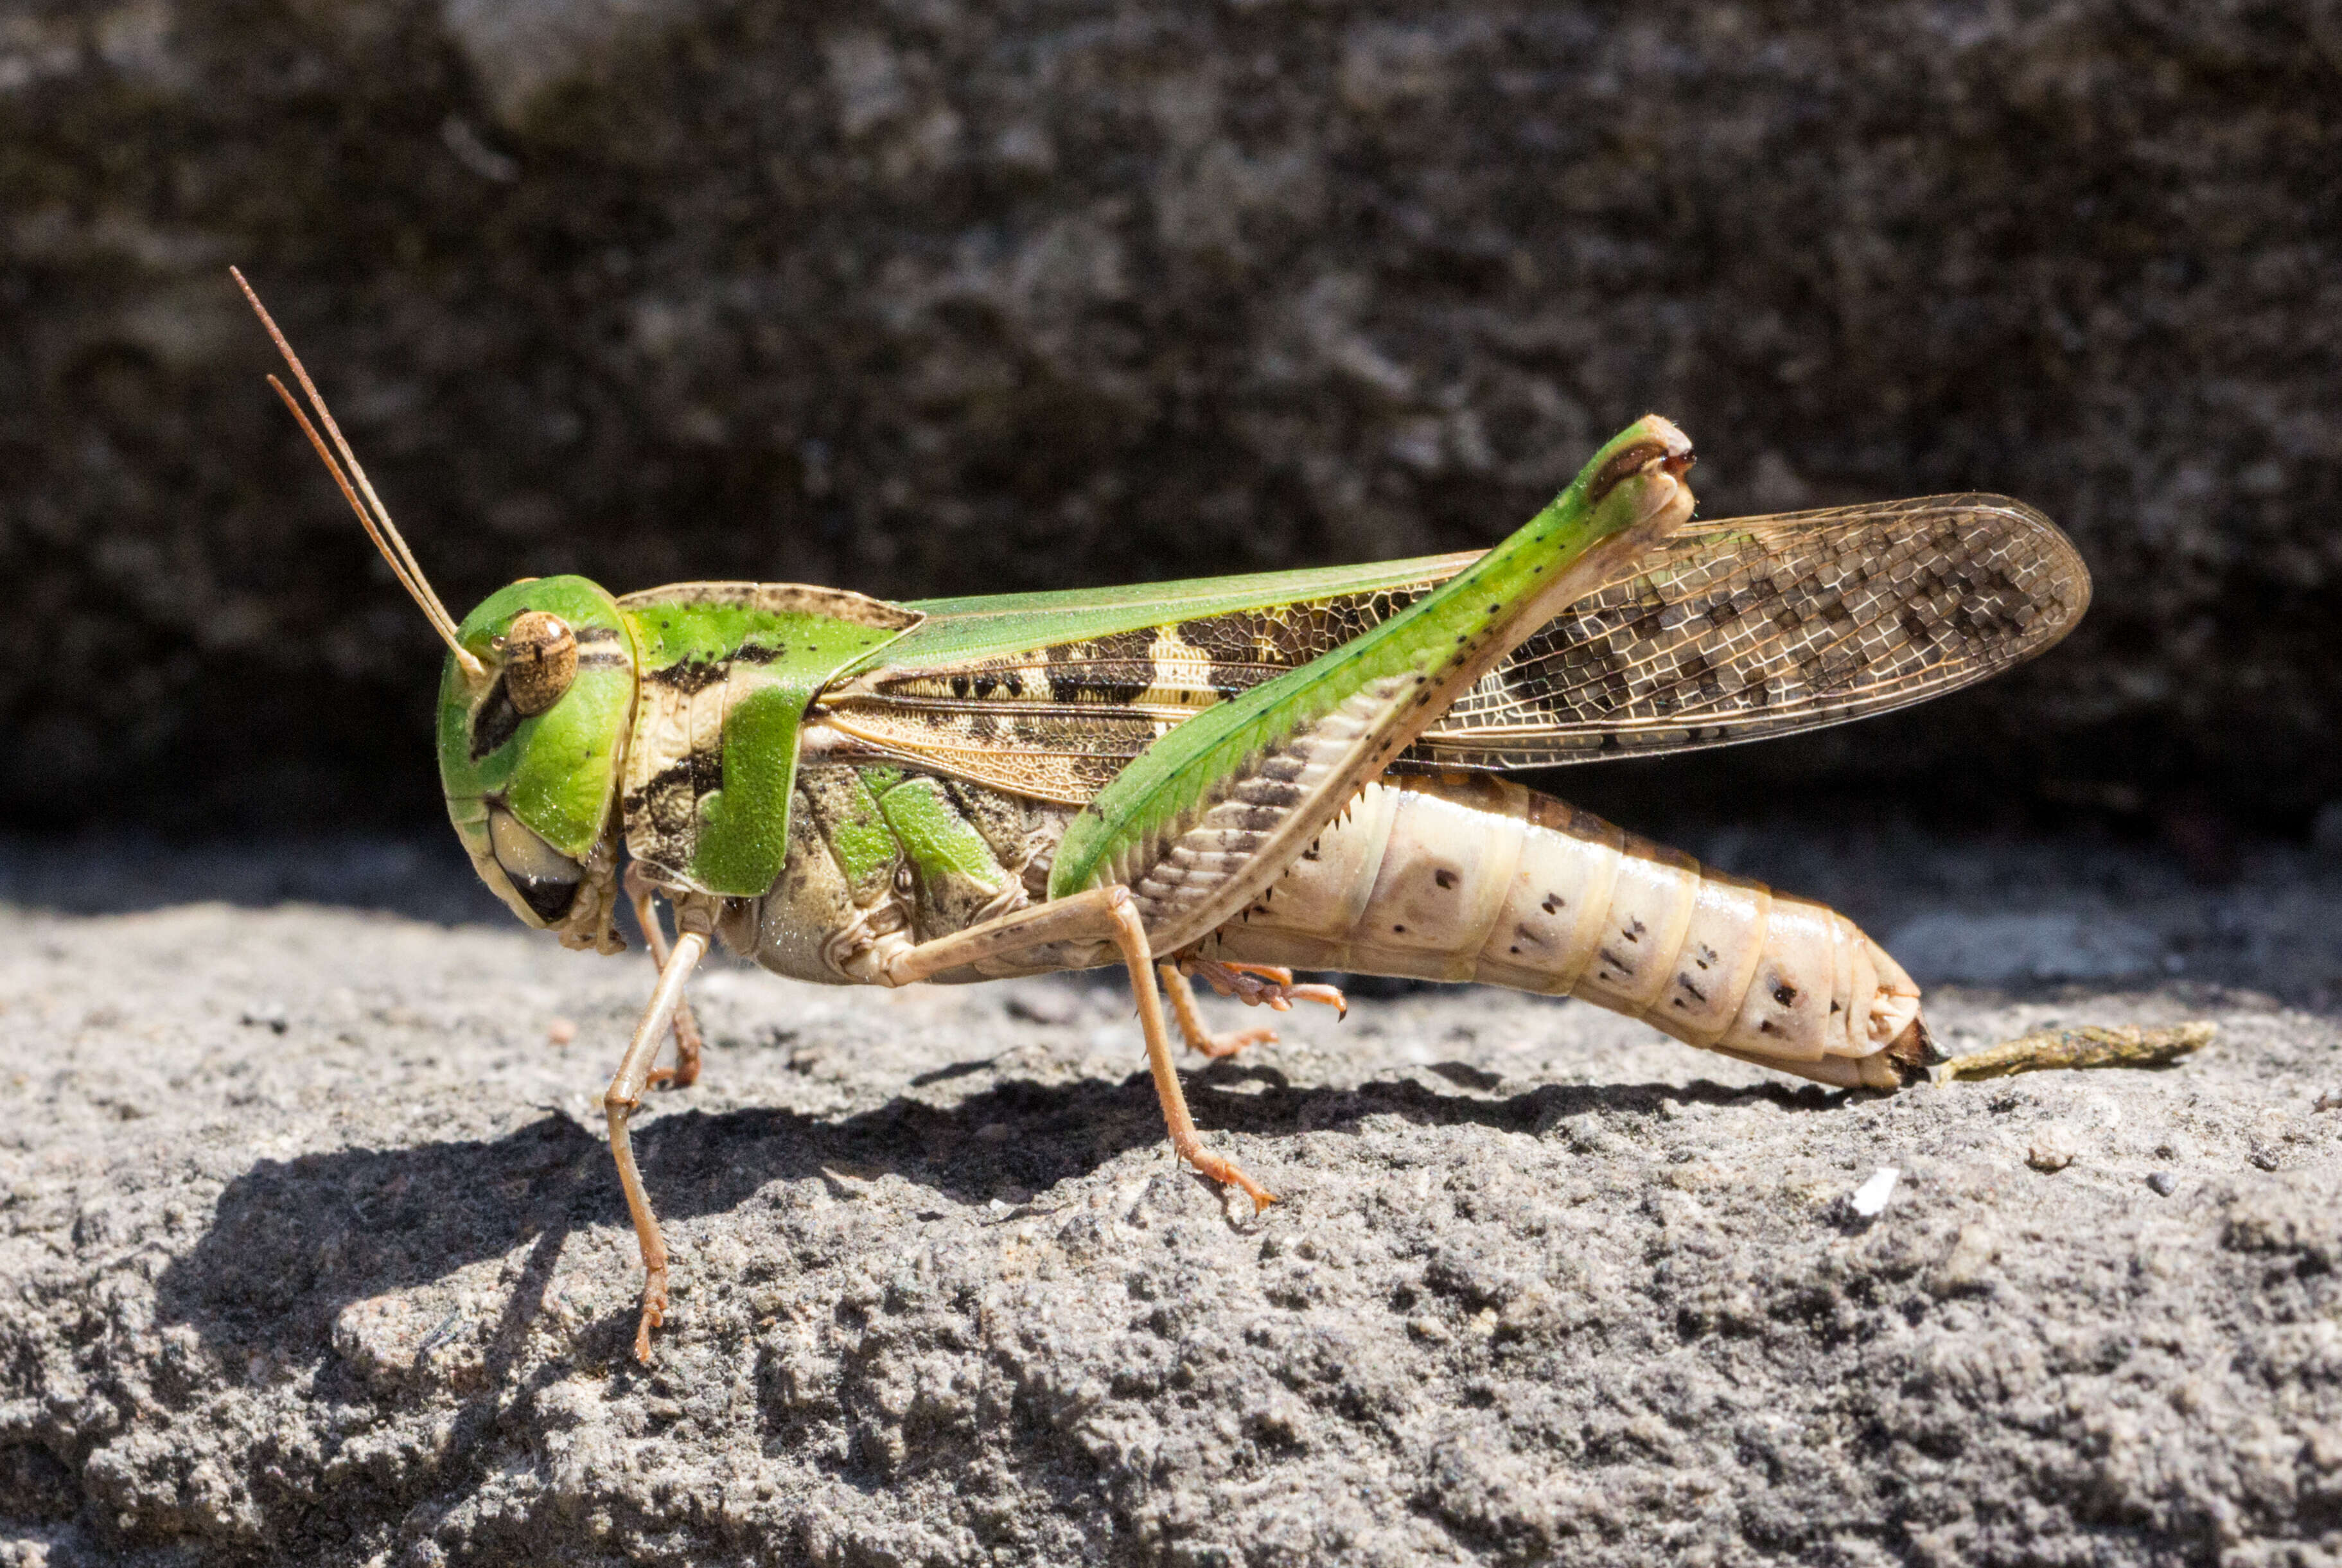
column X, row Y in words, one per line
column 2091, row 1046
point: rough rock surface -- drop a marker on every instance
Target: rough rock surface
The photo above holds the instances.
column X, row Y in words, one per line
column 313, row 1254
column 936, row 295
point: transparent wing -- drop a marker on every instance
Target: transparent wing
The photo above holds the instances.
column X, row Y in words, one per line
column 1752, row 627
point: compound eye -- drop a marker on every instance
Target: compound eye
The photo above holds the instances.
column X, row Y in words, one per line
column 545, row 879
column 540, row 660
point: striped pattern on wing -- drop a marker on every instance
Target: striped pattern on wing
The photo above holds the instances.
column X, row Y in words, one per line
column 1058, row 720
column 1726, row 631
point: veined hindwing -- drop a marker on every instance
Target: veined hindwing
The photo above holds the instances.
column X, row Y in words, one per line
column 1747, row 628
column 1723, row 632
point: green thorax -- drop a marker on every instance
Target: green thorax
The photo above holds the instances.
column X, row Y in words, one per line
column 726, row 671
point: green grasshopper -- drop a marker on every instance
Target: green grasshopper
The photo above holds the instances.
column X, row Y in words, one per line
column 1229, row 778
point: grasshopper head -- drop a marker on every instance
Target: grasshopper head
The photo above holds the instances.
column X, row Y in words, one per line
column 530, row 748
column 532, row 709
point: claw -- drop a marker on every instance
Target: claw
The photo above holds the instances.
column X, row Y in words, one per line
column 1324, row 995
column 654, row 1314
column 1227, row 1172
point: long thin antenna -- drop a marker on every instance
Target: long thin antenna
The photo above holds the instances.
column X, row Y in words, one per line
column 372, row 516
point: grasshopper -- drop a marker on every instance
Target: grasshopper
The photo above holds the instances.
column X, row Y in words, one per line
column 1230, row 778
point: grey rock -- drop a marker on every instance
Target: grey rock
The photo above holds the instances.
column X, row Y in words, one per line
column 362, row 1291
column 2011, row 949
column 940, row 297
column 2325, row 828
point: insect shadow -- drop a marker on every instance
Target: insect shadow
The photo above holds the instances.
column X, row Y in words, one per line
column 294, row 1241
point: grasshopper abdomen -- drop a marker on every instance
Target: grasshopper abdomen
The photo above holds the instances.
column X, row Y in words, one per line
column 1465, row 878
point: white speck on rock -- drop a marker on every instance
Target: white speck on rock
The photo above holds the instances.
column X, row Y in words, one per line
column 2053, row 1149
column 1870, row 1198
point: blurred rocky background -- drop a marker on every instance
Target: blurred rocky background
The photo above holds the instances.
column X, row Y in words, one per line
column 933, row 296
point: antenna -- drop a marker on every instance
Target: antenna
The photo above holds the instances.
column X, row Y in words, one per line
column 372, row 516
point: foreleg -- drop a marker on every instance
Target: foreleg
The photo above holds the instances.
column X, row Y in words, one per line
column 625, row 1093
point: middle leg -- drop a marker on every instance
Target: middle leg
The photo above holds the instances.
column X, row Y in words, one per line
column 1111, row 915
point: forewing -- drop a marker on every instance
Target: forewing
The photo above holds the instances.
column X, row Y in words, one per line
column 1726, row 631
column 1752, row 627
column 1061, row 702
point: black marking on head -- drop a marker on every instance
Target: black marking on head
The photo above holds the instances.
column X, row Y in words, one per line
column 495, row 722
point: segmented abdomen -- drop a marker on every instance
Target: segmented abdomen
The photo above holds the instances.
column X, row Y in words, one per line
column 1475, row 878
